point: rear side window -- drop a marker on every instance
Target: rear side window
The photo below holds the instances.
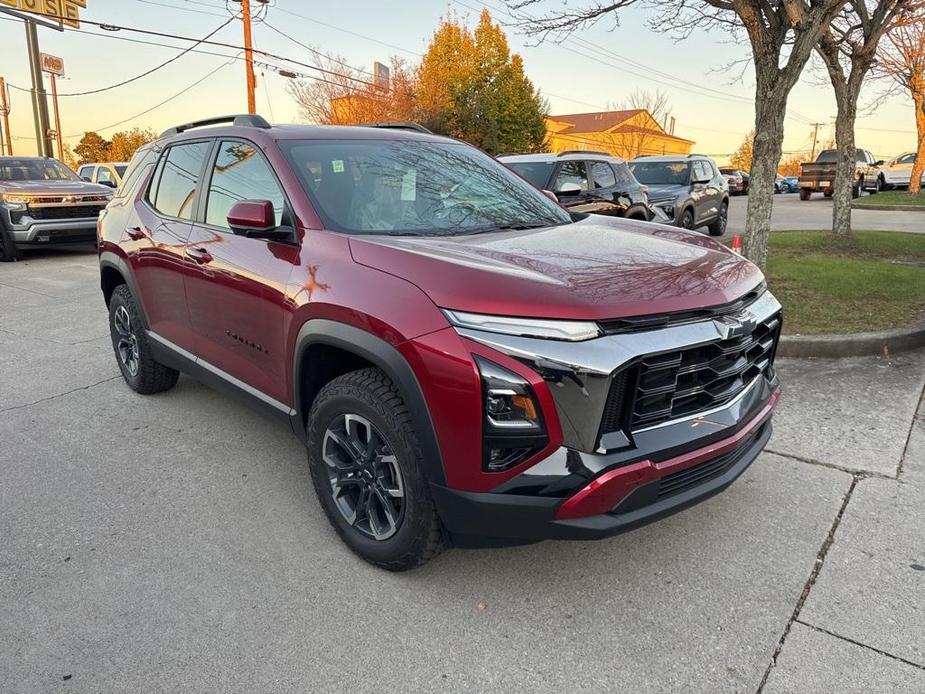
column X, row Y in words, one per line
column 602, row 175
column 137, row 171
column 623, row 173
column 174, row 191
column 241, row 173
column 572, row 172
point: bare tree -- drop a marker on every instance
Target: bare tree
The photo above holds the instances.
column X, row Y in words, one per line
column 849, row 48
column 643, row 139
column 782, row 35
column 902, row 59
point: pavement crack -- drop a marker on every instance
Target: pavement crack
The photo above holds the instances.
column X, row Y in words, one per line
column 915, row 417
column 59, row 395
column 831, row 466
column 811, row 581
column 914, row 664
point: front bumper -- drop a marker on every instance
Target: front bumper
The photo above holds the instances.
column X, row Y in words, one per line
column 60, row 231
column 648, row 491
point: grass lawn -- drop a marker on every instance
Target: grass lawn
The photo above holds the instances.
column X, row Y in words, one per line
column 829, row 286
column 892, row 197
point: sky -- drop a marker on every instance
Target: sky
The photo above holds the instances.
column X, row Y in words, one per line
column 599, row 66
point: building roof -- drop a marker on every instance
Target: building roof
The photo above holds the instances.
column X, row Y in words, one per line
column 608, row 121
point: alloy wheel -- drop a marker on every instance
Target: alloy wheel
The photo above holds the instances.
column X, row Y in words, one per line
column 366, row 480
column 126, row 342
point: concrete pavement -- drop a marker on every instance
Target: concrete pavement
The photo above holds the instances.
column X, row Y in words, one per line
column 816, row 213
column 173, row 543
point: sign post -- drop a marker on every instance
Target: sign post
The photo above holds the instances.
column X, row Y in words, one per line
column 5, row 112
column 39, row 97
column 54, row 66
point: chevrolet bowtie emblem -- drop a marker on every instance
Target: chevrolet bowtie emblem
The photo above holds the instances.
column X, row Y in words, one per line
column 735, row 325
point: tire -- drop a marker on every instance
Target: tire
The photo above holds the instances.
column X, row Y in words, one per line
column 883, row 184
column 8, row 250
column 776, row 189
column 132, row 349
column 828, row 193
column 686, row 221
column 718, row 228
column 876, row 188
column 364, row 406
column 805, row 193
column 856, row 189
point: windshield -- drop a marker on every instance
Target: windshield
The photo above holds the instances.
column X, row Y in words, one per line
column 662, row 173
column 28, row 169
column 415, row 188
column 120, row 169
column 537, row 172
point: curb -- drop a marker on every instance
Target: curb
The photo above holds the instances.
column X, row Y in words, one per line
column 895, row 208
column 855, row 345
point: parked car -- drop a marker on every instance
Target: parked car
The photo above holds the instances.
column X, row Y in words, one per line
column 737, row 180
column 463, row 360
column 819, row 176
column 688, row 189
column 786, row 184
column 43, row 203
column 107, row 173
column 897, row 172
column 593, row 182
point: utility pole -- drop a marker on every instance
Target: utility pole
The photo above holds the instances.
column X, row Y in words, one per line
column 39, row 97
column 5, row 112
column 54, row 101
column 248, row 56
column 816, row 127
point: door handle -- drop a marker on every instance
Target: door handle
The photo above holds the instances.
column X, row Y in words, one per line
column 136, row 233
column 200, row 255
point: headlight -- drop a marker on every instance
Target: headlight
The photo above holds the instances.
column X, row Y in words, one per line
column 14, row 202
column 513, row 426
column 570, row 330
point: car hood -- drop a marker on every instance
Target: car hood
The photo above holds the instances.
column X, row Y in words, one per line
column 664, row 192
column 54, row 188
column 593, row 269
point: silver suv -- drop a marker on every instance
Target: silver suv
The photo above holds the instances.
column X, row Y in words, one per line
column 42, row 202
column 689, row 189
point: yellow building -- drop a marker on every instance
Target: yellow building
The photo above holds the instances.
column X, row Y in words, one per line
column 625, row 134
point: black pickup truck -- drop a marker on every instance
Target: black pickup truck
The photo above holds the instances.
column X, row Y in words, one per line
column 819, row 176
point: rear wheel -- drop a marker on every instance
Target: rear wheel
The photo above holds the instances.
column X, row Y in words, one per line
column 718, row 228
column 133, row 350
column 805, row 193
column 828, row 193
column 367, row 468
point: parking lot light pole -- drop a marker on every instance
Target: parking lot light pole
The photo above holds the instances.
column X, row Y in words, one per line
column 39, row 97
column 5, row 112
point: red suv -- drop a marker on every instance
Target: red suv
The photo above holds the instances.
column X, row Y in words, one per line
column 466, row 362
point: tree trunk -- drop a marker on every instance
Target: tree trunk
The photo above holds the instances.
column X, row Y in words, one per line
column 770, row 107
column 915, row 183
column 845, row 166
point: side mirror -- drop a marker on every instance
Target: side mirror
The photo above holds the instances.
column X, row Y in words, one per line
column 879, row 162
column 109, row 184
column 86, row 178
column 569, row 188
column 255, row 219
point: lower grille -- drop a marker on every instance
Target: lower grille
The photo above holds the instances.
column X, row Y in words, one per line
column 683, row 480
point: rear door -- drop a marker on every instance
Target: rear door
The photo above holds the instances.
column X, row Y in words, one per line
column 705, row 195
column 235, row 285
column 606, row 196
column 156, row 239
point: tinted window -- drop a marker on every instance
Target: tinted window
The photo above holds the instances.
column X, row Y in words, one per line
column 571, row 172
column 415, row 188
column 602, row 175
column 662, row 173
column 241, row 173
column 537, row 172
column 180, row 168
column 702, row 171
column 35, row 169
column 137, row 170
column 828, row 155
column 906, row 159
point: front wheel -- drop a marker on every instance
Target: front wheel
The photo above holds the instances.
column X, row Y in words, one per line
column 687, row 220
column 367, row 468
column 718, row 227
column 8, row 250
column 133, row 350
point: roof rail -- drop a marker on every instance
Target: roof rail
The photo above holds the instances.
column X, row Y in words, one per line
column 695, row 154
column 583, row 151
column 240, row 120
column 399, row 125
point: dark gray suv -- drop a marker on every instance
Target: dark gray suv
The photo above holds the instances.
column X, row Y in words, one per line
column 689, row 189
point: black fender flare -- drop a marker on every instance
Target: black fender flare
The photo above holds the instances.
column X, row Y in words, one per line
column 108, row 259
column 384, row 356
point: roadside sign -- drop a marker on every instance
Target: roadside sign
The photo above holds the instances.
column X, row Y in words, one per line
column 66, row 12
column 52, row 64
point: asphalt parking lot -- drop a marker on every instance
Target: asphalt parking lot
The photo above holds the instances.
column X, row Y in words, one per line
column 173, row 543
column 816, row 213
